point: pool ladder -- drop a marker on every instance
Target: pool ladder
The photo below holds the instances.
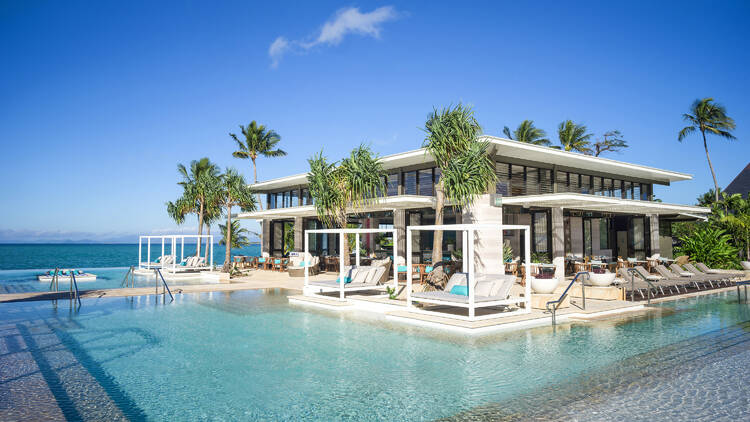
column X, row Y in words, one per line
column 75, row 295
column 165, row 288
column 129, row 279
column 557, row 302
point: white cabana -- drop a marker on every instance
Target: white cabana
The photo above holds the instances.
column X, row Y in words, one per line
column 340, row 284
column 172, row 264
column 469, row 232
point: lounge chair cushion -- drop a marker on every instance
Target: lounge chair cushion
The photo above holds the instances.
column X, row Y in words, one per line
column 484, row 288
column 459, row 290
column 456, row 279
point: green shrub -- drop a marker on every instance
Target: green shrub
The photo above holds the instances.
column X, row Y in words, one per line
column 711, row 246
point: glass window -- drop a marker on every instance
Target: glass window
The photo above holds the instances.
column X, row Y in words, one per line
column 636, row 191
column 424, row 177
column 603, row 233
column 607, row 188
column 627, row 190
column 517, row 180
column 540, row 232
column 295, row 198
column 561, row 178
column 617, row 188
column 574, row 182
column 598, row 190
column 532, row 181
column 271, row 200
column 644, row 192
column 392, row 184
column 545, row 181
column 585, row 184
column 305, row 196
column 502, row 171
column 410, row 183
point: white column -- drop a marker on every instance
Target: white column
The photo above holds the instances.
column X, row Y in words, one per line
column 148, row 254
column 140, row 251
column 162, row 251
column 307, row 264
column 341, row 264
column 408, row 267
column 393, row 263
column 470, row 276
column 464, row 250
column 558, row 243
column 182, row 248
column 211, row 242
column 527, row 260
column 356, row 249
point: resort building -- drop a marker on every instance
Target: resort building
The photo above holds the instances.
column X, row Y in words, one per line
column 576, row 205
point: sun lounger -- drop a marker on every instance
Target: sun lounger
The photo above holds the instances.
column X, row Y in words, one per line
column 708, row 278
column 296, row 267
column 669, row 275
column 661, row 282
column 719, row 278
column 730, row 273
column 490, row 290
column 362, row 278
column 634, row 283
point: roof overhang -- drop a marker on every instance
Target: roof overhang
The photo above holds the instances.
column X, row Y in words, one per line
column 383, row 204
column 513, row 149
column 574, row 160
column 585, row 202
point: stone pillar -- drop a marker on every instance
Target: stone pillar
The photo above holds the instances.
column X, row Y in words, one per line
column 399, row 223
column 265, row 242
column 653, row 221
column 299, row 234
column 558, row 243
column 488, row 244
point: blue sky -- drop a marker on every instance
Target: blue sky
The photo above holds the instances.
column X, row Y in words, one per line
column 99, row 101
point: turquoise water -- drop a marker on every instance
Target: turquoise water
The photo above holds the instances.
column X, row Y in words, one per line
column 45, row 256
column 20, row 264
column 251, row 356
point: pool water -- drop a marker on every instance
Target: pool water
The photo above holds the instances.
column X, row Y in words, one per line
column 249, row 355
column 24, row 281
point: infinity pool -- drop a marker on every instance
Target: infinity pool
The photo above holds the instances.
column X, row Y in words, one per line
column 251, row 356
column 23, row 281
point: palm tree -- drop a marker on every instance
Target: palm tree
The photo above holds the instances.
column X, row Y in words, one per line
column 573, row 137
column 257, row 141
column 528, row 133
column 334, row 187
column 612, row 141
column 233, row 191
column 466, row 168
column 199, row 185
column 707, row 116
column 236, row 238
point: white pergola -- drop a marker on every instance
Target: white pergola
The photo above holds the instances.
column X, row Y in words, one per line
column 342, row 233
column 172, row 240
column 468, row 232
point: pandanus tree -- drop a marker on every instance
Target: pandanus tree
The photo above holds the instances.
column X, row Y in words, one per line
column 199, row 184
column 573, row 137
column 466, row 168
column 707, row 116
column 340, row 188
column 528, row 133
column 256, row 140
column 233, row 191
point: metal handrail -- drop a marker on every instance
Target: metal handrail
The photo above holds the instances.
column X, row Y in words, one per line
column 164, row 282
column 129, row 280
column 633, row 272
column 54, row 281
column 74, row 285
column 564, row 294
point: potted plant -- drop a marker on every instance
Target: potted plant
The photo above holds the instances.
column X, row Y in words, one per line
column 544, row 282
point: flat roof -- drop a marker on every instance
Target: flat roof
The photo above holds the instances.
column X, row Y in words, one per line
column 513, row 149
column 581, row 201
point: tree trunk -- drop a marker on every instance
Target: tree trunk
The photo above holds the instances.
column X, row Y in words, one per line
column 228, row 240
column 344, row 253
column 200, row 230
column 255, row 177
column 713, row 174
column 437, row 276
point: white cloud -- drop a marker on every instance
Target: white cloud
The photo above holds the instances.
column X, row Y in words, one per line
column 344, row 22
column 277, row 49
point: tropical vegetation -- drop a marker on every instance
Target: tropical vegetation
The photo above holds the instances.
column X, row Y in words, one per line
column 574, row 137
column 199, row 183
column 707, row 116
column 528, row 133
column 233, row 191
column 338, row 188
column 710, row 245
column 466, row 170
column 257, row 141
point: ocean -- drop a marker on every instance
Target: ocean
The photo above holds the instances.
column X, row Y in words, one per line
column 47, row 256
